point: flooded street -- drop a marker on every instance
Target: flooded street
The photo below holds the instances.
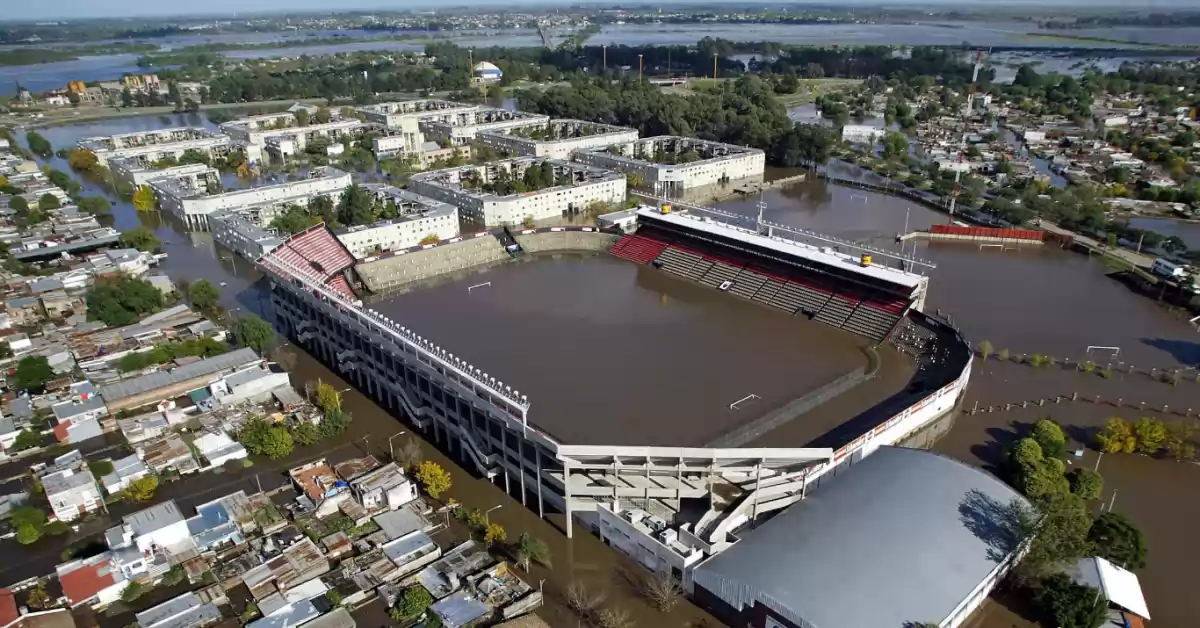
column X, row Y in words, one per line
column 1040, row 300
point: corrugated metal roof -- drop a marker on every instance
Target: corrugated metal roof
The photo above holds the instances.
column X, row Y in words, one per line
column 146, row 383
column 848, row 556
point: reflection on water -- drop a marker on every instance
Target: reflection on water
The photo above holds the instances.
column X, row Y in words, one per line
column 1037, row 300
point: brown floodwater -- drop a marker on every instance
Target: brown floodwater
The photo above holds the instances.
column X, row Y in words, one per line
column 1046, row 301
column 614, row 353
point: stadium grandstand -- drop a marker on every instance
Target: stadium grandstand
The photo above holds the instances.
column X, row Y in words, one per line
column 318, row 255
column 799, row 272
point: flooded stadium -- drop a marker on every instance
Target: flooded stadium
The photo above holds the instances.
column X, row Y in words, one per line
column 615, row 353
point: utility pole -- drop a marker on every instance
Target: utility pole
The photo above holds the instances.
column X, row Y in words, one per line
column 639, row 68
column 714, row 67
column 1112, row 500
column 391, row 447
column 605, row 49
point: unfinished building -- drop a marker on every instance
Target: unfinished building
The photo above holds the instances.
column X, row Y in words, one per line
column 149, row 147
column 556, row 139
column 419, row 220
column 193, row 203
column 515, row 191
column 680, row 167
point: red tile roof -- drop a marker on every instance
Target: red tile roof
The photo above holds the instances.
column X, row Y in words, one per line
column 86, row 581
column 8, row 607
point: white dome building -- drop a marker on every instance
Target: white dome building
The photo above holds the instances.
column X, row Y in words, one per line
column 486, row 72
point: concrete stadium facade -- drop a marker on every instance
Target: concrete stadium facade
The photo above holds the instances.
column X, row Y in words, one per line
column 485, row 425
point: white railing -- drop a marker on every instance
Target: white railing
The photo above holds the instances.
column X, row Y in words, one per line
column 512, row 401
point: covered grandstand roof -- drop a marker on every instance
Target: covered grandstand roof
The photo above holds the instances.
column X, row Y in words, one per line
column 317, row 254
column 848, row 556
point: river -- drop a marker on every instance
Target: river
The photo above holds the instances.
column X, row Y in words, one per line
column 1037, row 300
column 42, row 77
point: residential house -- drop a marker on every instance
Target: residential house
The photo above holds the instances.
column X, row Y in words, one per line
column 77, row 419
column 218, row 448
column 59, row 304
column 8, row 433
column 24, row 311
column 168, row 453
column 154, row 529
column 317, row 481
column 125, row 471
column 385, row 487
column 213, row 527
column 72, row 492
column 412, row 553
column 93, row 581
column 299, row 563
column 162, row 282
column 184, row 611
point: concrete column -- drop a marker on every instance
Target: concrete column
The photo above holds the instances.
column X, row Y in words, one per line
column 757, row 485
column 521, row 463
column 541, row 504
column 567, row 496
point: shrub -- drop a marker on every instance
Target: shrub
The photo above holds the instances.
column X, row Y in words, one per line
column 1116, row 437
column 1151, row 435
column 1086, row 483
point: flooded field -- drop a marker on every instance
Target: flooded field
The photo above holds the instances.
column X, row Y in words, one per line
column 612, row 353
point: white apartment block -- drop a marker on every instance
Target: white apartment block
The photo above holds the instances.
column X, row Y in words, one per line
column 576, row 187
column 137, row 173
column 235, row 233
column 403, row 119
column 417, row 218
column 193, row 204
column 152, row 146
column 680, row 167
column 862, row 134
column 556, row 139
column 460, row 128
column 282, row 136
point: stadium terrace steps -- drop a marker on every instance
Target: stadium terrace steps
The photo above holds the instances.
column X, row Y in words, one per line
column 676, row 261
column 718, row 273
column 747, row 284
column 637, row 249
column 851, row 309
column 837, row 310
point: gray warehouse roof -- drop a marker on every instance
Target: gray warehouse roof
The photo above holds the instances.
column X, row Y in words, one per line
column 902, row 536
column 138, row 385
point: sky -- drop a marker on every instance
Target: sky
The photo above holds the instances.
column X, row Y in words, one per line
column 76, row 9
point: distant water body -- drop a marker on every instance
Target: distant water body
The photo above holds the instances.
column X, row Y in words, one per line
column 41, row 77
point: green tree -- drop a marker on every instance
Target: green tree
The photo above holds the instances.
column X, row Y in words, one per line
column 18, row 204
column 412, row 603
column 1086, row 483
column 132, row 591
column 27, row 439
column 141, row 238
column 1116, row 437
column 494, row 534
column 357, row 206
column 305, row 433
column 94, row 205
column 1180, row 444
column 27, row 534
column 1118, row 540
column 433, row 478
column 33, row 372
column 142, row 489
column 254, row 332
column 531, row 550
column 984, row 349
column 144, row 199
column 322, row 115
column 1050, row 436
column 56, row 528
column 82, row 159
column 122, row 300
column 203, row 294
column 1057, row 531
column 48, row 201
column 301, row 117
column 328, row 397
column 278, row 443
column 1069, row 604
column 100, row 467
column 1151, row 435
column 1036, row 476
column 194, row 156
column 334, row 422
column 39, row 145
column 39, row 598
column 895, row 145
